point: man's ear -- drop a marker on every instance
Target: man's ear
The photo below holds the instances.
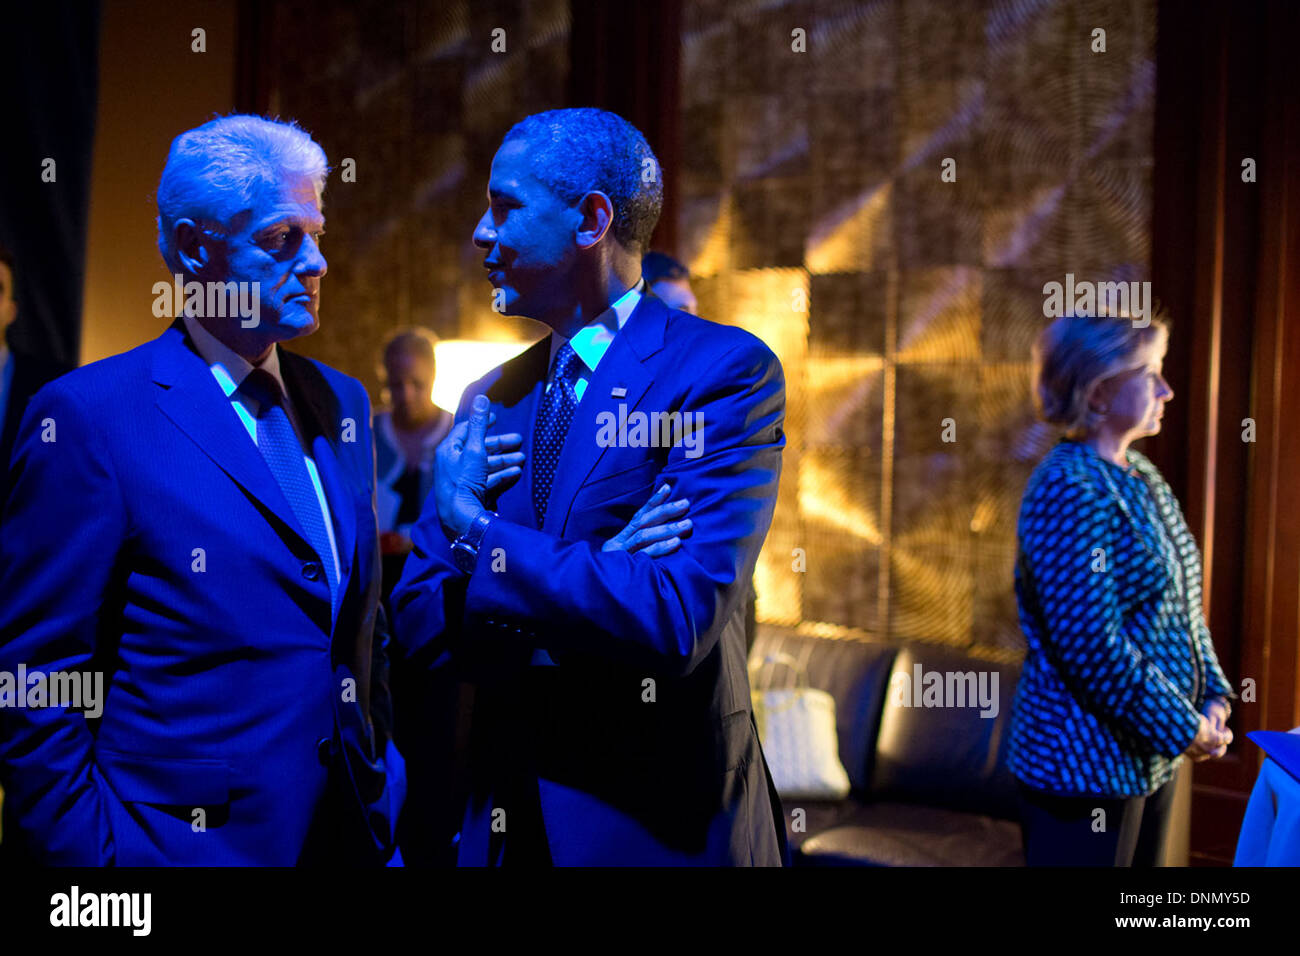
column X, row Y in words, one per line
column 597, row 215
column 193, row 248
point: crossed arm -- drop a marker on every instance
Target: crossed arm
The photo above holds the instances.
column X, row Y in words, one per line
column 664, row 612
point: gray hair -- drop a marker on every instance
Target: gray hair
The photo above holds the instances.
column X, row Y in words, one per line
column 217, row 170
column 1074, row 354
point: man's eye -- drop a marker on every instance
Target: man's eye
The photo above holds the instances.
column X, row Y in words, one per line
column 283, row 239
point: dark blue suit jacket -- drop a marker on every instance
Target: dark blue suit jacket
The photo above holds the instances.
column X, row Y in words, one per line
column 593, row 763
column 151, row 542
column 30, row 373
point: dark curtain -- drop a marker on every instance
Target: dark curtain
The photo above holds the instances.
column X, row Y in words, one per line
column 49, row 56
column 624, row 57
column 1226, row 263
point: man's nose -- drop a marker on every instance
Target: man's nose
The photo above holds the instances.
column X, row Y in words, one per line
column 313, row 260
column 484, row 234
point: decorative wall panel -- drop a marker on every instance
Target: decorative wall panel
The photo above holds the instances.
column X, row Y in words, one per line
column 415, row 94
column 903, row 307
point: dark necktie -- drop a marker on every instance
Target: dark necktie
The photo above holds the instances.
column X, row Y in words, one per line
column 279, row 445
column 553, row 420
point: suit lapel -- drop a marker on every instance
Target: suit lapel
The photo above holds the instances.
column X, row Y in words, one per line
column 624, row 367
column 193, row 400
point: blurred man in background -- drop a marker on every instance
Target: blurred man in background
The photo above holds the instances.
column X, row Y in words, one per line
column 670, row 280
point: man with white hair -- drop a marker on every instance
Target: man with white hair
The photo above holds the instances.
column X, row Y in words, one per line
column 194, row 521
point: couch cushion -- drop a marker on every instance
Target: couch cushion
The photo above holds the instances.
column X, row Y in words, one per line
column 804, row 819
column 896, row 834
column 853, row 672
column 937, row 749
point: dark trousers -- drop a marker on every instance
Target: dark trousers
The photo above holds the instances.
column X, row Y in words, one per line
column 1069, row 831
column 526, row 845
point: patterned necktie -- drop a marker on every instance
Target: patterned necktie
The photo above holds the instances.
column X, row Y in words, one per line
column 553, row 420
column 279, row 445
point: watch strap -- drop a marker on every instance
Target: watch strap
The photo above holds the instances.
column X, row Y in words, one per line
column 465, row 548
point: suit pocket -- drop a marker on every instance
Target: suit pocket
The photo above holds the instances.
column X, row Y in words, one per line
column 637, row 479
column 170, row 781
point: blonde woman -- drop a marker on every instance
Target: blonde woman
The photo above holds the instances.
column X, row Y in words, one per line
column 1120, row 680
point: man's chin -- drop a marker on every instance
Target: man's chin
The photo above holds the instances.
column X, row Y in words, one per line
column 297, row 324
column 506, row 301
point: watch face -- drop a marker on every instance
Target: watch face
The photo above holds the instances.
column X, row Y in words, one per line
column 464, row 556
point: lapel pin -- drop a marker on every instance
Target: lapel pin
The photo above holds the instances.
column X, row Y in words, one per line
column 618, row 392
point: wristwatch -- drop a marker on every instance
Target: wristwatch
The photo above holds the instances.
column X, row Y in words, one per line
column 464, row 550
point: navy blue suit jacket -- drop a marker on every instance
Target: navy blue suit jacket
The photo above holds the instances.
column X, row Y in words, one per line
column 638, row 746
column 150, row 541
column 30, row 372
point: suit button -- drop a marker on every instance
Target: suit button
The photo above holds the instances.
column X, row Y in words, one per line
column 323, row 751
column 311, row 571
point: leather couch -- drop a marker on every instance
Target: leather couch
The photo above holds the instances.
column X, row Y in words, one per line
column 929, row 783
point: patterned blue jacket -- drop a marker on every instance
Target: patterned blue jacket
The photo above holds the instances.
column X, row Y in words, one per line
column 1119, row 661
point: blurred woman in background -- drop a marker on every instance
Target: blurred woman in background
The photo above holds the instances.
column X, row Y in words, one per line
column 1120, row 679
column 406, row 437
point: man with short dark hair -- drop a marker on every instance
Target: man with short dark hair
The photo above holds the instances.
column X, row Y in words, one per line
column 611, row 720
column 194, row 520
column 670, row 280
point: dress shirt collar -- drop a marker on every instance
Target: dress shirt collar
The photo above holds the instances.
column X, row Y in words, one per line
column 593, row 339
column 229, row 367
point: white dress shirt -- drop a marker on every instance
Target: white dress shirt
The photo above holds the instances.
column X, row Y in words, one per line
column 593, row 340
column 230, row 369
